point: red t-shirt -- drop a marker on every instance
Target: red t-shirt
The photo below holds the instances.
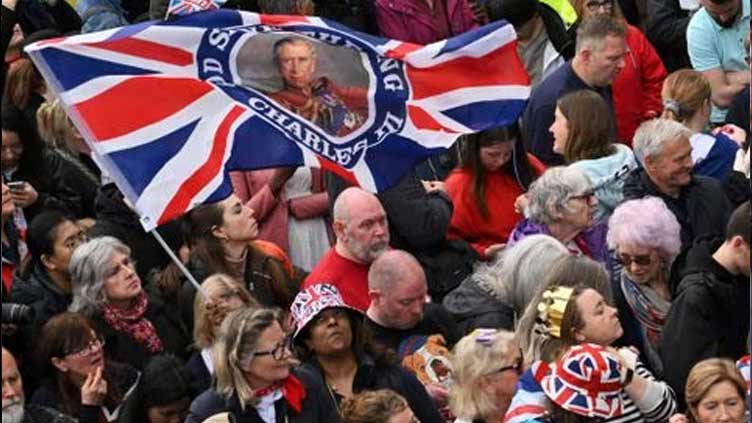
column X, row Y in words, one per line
column 350, row 278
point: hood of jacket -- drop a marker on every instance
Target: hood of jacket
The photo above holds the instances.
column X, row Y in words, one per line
column 470, row 299
column 109, row 205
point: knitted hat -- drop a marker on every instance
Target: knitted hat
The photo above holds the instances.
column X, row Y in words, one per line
column 585, row 381
column 312, row 301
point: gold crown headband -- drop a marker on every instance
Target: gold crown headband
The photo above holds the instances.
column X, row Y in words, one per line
column 551, row 308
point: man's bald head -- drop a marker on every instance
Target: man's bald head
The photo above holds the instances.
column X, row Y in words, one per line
column 360, row 225
column 398, row 290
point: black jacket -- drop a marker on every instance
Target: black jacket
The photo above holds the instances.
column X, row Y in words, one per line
column 38, row 414
column 702, row 208
column 120, row 377
column 315, row 408
column 372, row 376
column 200, row 375
column 708, row 318
column 115, row 218
column 474, row 307
column 120, row 346
column 666, row 28
column 557, row 31
column 61, row 186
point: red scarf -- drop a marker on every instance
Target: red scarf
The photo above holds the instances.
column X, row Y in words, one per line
column 134, row 323
column 292, row 389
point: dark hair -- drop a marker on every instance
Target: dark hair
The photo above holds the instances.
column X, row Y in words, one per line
column 64, row 334
column 362, row 341
column 592, row 132
column 740, row 222
column 518, row 166
column 164, row 381
column 517, row 12
column 30, row 163
column 560, row 415
column 198, row 227
column 41, row 237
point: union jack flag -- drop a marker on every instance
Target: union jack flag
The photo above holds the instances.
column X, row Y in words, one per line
column 529, row 401
column 164, row 106
column 185, row 7
column 743, row 365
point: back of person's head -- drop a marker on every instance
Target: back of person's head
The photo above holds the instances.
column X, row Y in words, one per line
column 740, row 223
column 652, row 136
column 378, row 406
column 684, row 93
column 515, row 276
column 516, row 12
column 708, row 373
column 164, row 382
column 55, row 127
column 592, row 32
column 591, row 126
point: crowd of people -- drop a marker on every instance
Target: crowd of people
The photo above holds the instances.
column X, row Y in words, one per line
column 588, row 263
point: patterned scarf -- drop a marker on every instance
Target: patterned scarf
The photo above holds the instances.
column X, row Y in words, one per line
column 647, row 306
column 134, row 323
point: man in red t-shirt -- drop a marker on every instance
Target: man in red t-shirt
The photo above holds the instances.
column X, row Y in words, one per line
column 362, row 232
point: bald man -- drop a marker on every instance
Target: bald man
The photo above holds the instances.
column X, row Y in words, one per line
column 14, row 408
column 362, row 235
column 399, row 306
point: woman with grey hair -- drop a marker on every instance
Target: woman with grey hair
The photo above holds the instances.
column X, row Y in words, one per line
column 561, row 203
column 497, row 292
column 107, row 289
column 254, row 383
column 643, row 236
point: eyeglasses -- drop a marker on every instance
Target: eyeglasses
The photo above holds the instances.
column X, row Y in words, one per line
column 517, row 367
column 90, row 349
column 279, row 351
column 642, row 260
column 587, row 195
column 595, row 5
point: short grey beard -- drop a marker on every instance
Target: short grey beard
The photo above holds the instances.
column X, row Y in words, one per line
column 13, row 413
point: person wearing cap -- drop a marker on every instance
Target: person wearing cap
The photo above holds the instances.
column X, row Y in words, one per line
column 586, row 384
column 543, row 42
column 567, row 313
column 254, row 380
column 330, row 340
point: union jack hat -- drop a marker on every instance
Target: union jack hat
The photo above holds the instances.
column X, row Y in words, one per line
column 312, row 301
column 743, row 365
column 585, row 381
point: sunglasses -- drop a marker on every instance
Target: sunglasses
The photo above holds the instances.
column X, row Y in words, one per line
column 626, row 260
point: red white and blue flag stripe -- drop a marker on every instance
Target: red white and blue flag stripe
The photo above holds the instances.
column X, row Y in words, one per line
column 163, row 107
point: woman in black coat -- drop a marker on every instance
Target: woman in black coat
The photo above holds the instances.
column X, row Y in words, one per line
column 107, row 289
column 330, row 340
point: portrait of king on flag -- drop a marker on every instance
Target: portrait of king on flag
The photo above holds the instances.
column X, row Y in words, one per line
column 169, row 112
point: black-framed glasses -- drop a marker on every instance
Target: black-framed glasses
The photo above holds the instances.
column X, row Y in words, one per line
column 587, row 195
column 642, row 260
column 595, row 5
column 89, row 349
column 279, row 351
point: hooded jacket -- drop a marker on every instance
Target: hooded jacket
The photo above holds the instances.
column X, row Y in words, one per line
column 475, row 307
column 709, row 316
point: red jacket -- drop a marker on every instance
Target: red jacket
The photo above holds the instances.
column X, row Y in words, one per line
column 501, row 192
column 637, row 88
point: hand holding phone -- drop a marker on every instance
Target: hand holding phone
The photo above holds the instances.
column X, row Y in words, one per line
column 16, row 186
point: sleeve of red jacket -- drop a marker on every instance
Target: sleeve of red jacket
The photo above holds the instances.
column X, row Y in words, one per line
column 653, row 74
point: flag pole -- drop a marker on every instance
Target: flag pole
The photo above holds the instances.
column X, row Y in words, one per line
column 177, row 262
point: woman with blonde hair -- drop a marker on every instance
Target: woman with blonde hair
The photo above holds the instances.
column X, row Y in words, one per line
column 254, row 382
column 222, row 295
column 715, row 392
column 379, row 406
column 486, row 365
column 686, row 99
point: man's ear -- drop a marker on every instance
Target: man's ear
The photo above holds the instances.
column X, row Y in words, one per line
column 374, row 294
column 339, row 229
column 47, row 262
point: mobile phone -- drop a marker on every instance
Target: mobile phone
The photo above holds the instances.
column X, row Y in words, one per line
column 16, row 185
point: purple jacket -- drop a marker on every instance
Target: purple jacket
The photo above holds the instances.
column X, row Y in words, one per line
column 594, row 238
column 411, row 21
